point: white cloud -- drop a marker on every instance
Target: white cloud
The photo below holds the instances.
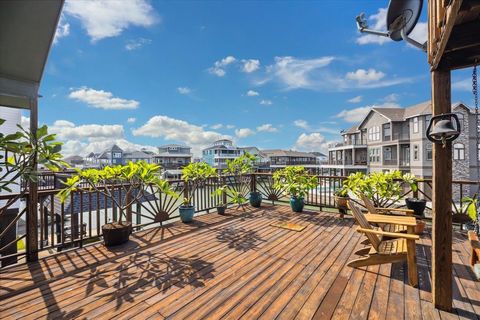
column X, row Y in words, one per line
column 393, row 97
column 217, row 126
column 252, row 93
column 109, row 18
column 63, row 30
column 358, row 114
column 184, row 90
column 67, row 130
column 102, row 99
column 356, row 99
column 218, row 68
column 250, row 65
column 314, row 141
column 230, row 126
column 25, row 122
column 301, row 124
column 267, row 127
column 131, row 120
column 462, row 85
column 244, row 132
column 167, row 128
column 296, row 73
column 379, row 21
column 136, row 43
column 419, row 33
column 266, row 102
column 363, row 76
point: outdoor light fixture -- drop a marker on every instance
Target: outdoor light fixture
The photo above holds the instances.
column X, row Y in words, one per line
column 443, row 130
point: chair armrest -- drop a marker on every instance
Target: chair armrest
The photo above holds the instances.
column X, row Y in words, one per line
column 390, row 234
column 407, row 211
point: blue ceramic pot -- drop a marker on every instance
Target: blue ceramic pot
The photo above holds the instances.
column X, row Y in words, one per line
column 297, row 204
column 255, row 199
column 186, row 213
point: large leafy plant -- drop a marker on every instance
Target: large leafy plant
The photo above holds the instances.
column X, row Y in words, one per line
column 294, row 180
column 132, row 179
column 383, row 188
column 194, row 174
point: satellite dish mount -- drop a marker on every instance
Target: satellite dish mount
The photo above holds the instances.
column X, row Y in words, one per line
column 402, row 16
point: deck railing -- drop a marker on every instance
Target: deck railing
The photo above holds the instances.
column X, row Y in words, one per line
column 78, row 220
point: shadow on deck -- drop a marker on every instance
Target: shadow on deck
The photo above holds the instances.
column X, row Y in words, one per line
column 235, row 266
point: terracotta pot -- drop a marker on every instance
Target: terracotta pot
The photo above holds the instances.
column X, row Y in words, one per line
column 420, row 227
column 342, row 202
column 116, row 233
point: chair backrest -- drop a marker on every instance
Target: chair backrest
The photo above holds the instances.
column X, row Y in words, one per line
column 368, row 204
column 362, row 221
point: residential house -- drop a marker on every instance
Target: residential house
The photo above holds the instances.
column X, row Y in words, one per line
column 172, row 158
column 220, row 151
column 281, row 158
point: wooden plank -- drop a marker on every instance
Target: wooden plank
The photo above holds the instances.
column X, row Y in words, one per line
column 442, row 199
column 378, row 307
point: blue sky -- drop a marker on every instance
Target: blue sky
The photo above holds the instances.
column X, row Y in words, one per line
column 270, row 74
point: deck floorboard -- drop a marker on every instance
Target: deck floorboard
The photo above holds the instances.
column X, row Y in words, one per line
column 237, row 266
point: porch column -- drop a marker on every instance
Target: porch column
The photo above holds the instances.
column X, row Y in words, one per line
column 32, row 219
column 442, row 199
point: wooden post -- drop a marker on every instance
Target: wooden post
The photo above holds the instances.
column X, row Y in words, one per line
column 32, row 219
column 442, row 199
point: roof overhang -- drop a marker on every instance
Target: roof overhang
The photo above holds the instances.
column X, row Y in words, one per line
column 27, row 30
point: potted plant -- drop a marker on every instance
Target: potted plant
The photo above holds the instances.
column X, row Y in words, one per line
column 194, row 174
column 296, row 181
column 113, row 181
column 221, row 192
column 238, row 168
column 414, row 203
column 341, row 198
column 467, row 212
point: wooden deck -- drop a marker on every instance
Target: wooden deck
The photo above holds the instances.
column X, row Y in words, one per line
column 232, row 267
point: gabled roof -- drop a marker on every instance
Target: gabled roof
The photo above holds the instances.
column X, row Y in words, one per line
column 137, row 155
column 400, row 114
column 350, row 130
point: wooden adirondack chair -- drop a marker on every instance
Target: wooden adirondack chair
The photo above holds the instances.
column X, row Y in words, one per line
column 376, row 210
column 399, row 247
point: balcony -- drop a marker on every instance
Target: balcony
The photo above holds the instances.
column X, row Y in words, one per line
column 295, row 163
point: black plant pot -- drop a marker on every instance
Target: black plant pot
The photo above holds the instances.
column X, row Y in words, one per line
column 417, row 205
column 221, row 209
column 255, row 199
column 116, row 233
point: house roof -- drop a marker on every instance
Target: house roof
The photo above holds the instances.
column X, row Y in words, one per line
column 351, row 130
column 137, row 155
column 173, row 155
column 287, row 153
column 27, row 30
column 173, row 145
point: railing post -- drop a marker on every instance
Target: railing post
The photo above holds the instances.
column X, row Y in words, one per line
column 253, row 183
column 32, row 219
column 224, row 194
column 128, row 198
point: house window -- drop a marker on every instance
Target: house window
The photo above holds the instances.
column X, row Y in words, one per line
column 117, row 155
column 387, row 131
column 387, row 153
column 458, row 151
column 428, row 152
column 415, row 125
column 374, row 133
column 415, row 152
column 427, row 121
column 460, row 119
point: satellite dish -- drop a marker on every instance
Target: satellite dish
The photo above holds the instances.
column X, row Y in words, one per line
column 402, row 16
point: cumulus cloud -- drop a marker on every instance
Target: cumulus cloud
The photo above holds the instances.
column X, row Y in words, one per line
column 25, row 122
column 377, row 22
column 184, row 90
column 63, row 29
column 102, row 99
column 252, row 93
column 131, row 120
column 109, row 18
column 358, row 114
column 301, row 124
column 419, row 33
column 230, row 126
column 217, row 126
column 172, row 129
column 363, row 76
column 67, row 130
column 266, row 102
column 250, row 65
column 218, row 68
column 314, row 141
column 356, row 99
column 267, row 127
column 244, row 132
column 135, row 44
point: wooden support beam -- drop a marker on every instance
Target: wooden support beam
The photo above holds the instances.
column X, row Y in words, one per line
column 451, row 16
column 442, row 199
column 32, row 219
column 461, row 58
column 464, row 36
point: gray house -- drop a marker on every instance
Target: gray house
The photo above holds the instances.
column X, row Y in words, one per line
column 395, row 139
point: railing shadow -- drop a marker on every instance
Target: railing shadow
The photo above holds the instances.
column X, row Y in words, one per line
column 239, row 238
